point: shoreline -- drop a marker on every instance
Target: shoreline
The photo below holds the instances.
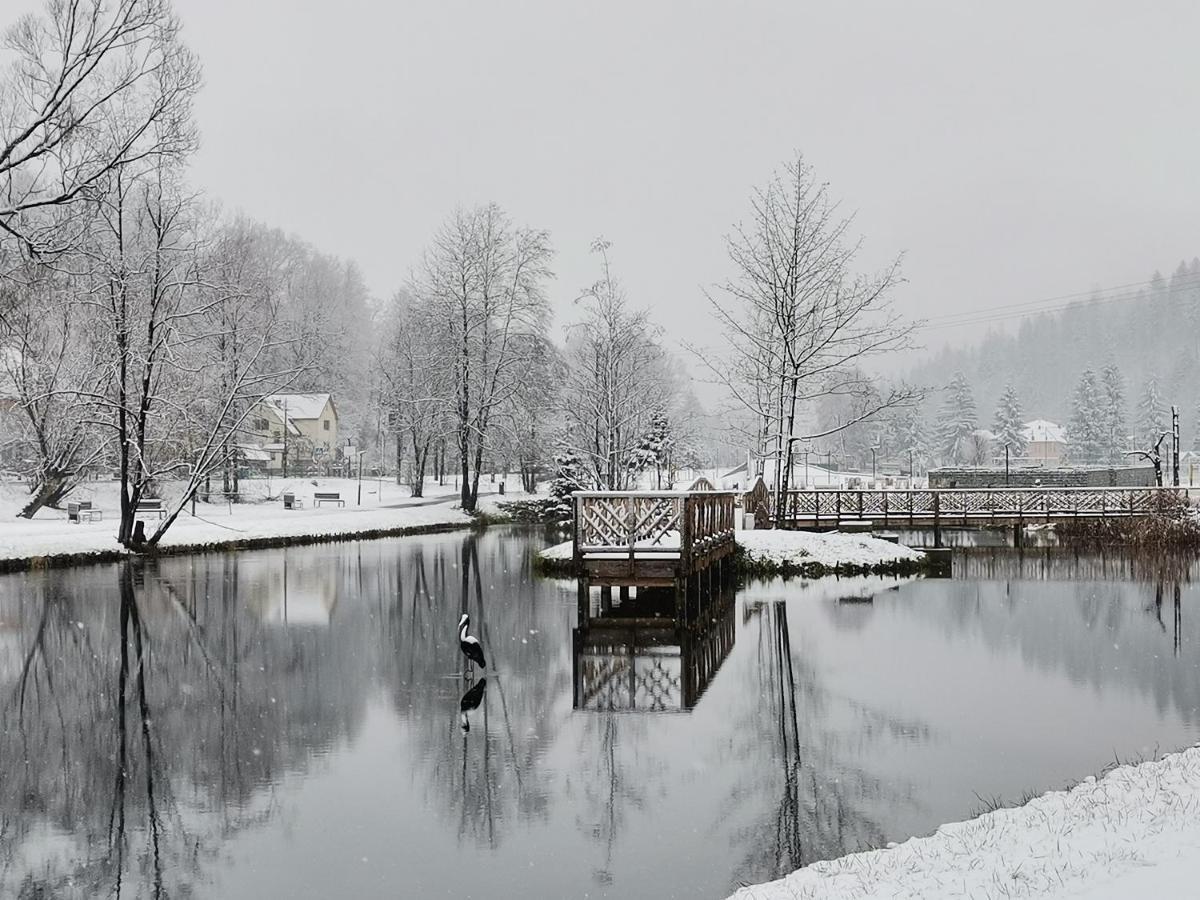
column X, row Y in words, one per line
column 1074, row 842
column 9, row 565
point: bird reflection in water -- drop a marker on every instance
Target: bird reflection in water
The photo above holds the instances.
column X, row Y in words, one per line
column 470, row 701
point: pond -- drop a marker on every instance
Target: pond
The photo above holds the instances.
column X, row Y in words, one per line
column 287, row 723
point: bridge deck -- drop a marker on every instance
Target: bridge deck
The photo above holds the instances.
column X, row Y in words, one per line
column 821, row 508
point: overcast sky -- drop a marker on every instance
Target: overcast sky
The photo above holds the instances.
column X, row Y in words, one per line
column 1012, row 151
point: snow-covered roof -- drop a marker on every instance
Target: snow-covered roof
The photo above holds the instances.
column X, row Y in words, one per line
column 251, row 453
column 301, row 406
column 1040, row 431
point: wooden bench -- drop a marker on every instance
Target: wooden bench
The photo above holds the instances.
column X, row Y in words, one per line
column 320, row 497
column 153, row 505
column 82, row 511
column 290, row 502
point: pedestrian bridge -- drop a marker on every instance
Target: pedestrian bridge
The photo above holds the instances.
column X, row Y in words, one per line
column 954, row 506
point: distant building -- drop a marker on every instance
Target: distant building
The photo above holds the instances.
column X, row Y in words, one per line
column 305, row 424
column 1045, row 442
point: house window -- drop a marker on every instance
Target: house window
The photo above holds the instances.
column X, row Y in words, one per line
column 326, row 424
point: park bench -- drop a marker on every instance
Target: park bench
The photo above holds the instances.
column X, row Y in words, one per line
column 82, row 511
column 290, row 502
column 152, row 505
column 320, row 497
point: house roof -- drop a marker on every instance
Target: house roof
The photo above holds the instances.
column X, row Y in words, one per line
column 251, row 453
column 301, row 406
column 1041, row 431
column 277, row 412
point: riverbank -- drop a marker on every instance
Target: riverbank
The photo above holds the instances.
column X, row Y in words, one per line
column 1132, row 833
column 767, row 553
column 259, row 521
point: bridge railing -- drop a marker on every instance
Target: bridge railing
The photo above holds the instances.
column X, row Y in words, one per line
column 968, row 505
column 640, row 522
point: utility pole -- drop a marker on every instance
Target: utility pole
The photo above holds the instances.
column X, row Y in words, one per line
column 1006, row 465
column 285, row 440
column 1175, row 446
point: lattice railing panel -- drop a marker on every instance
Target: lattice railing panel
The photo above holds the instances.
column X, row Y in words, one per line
column 975, row 504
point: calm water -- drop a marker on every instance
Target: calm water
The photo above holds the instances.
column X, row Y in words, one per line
column 287, row 723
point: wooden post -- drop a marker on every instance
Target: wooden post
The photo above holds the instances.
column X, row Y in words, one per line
column 685, row 535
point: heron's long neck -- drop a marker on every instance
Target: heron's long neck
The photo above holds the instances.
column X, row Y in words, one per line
column 462, row 635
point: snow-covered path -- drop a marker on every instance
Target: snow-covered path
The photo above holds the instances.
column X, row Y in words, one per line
column 1133, row 833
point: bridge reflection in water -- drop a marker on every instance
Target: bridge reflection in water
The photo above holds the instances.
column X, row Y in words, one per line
column 652, row 648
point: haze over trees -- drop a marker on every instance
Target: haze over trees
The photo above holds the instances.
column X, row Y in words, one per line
column 1143, row 332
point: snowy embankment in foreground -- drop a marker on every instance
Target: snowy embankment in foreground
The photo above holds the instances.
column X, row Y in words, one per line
column 1133, row 833
column 385, row 506
column 798, row 550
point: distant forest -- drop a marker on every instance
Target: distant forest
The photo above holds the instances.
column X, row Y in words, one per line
column 1149, row 332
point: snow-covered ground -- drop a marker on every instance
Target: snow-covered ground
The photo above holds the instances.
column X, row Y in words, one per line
column 799, row 548
column 1133, row 833
column 385, row 506
column 832, row 549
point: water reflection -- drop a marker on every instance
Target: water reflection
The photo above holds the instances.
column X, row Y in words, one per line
column 470, row 702
column 652, row 648
column 291, row 723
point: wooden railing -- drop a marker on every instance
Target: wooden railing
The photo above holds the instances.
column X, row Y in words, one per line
column 966, row 506
column 634, row 523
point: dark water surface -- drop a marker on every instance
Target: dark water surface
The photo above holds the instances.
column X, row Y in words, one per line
column 287, row 723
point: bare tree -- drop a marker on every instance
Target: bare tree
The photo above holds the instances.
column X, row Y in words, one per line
column 418, row 391
column 616, row 380
column 485, row 278
column 190, row 345
column 94, row 86
column 48, row 361
column 796, row 317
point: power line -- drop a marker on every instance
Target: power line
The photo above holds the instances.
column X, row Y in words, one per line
column 1039, row 307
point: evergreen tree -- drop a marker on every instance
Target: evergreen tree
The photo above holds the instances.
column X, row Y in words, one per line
column 956, row 423
column 569, row 476
column 904, row 437
column 1112, row 412
column 1086, row 436
column 654, row 449
column 1008, row 422
column 1152, row 415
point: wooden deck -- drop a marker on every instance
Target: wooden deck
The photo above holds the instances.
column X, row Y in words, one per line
column 654, row 537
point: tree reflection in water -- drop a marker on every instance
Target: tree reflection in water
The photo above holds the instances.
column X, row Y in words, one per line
column 149, row 713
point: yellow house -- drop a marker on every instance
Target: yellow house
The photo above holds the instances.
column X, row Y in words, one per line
column 306, row 424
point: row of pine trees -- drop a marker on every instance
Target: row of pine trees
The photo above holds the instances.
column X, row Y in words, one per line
column 1098, row 432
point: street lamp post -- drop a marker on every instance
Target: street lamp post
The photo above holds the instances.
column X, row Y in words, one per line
column 873, row 449
column 1006, row 465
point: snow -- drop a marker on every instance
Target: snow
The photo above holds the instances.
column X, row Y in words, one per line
column 1040, row 431
column 386, row 506
column 799, row 548
column 300, row 406
column 1133, row 833
column 830, row 549
column 559, row 552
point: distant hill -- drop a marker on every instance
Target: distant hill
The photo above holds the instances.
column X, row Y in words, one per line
column 1152, row 330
